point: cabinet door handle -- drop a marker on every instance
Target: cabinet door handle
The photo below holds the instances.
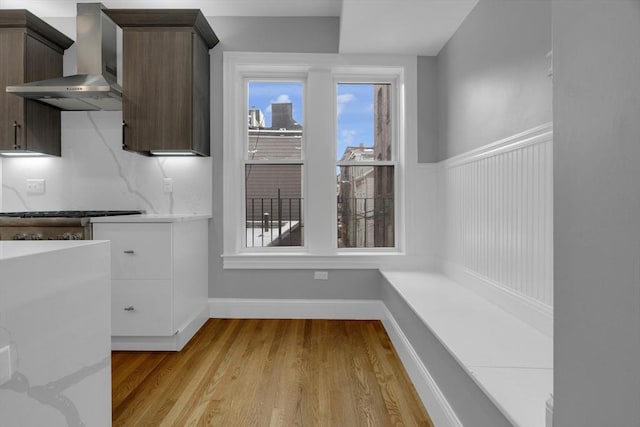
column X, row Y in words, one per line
column 129, row 251
column 130, row 308
column 15, row 135
column 124, row 125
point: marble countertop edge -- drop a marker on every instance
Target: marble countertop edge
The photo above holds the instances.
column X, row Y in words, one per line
column 142, row 218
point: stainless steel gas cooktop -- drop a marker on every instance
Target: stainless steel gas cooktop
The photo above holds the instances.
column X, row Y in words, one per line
column 51, row 225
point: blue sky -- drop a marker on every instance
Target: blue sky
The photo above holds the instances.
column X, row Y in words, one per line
column 355, row 116
column 354, row 107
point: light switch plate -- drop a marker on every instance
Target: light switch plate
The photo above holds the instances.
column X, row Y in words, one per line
column 35, row 186
column 5, row 365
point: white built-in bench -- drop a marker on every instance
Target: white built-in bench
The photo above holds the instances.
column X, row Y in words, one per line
column 511, row 361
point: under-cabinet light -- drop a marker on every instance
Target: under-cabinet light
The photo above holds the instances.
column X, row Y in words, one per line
column 22, row 154
column 172, row 153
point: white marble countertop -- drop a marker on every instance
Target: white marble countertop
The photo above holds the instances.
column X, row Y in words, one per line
column 14, row 249
column 55, row 333
column 151, row 218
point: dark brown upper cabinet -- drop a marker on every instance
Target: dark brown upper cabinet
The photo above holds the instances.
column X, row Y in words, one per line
column 165, row 83
column 30, row 50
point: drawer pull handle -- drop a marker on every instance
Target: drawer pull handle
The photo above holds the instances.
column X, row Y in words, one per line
column 130, row 308
column 129, row 251
column 16, row 146
column 124, row 125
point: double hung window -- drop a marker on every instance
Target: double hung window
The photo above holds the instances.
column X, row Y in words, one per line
column 312, row 158
column 274, row 164
column 366, row 166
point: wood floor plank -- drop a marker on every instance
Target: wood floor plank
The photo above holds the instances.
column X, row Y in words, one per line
column 188, row 375
column 270, row 373
column 194, row 397
column 222, row 354
column 132, row 375
column 392, row 378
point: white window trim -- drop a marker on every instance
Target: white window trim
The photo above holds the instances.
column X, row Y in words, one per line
column 320, row 250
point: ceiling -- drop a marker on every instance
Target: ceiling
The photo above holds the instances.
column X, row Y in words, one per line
column 415, row 27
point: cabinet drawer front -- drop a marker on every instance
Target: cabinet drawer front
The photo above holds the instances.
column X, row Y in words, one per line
column 141, row 308
column 138, row 251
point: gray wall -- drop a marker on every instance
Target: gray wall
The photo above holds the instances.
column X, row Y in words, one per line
column 258, row 34
column 492, row 75
column 427, row 109
column 596, row 88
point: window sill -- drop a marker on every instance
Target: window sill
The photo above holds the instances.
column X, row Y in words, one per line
column 298, row 261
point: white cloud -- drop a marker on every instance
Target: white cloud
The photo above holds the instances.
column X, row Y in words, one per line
column 343, row 100
column 283, row 98
column 347, row 136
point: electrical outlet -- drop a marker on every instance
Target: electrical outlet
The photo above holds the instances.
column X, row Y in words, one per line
column 35, row 186
column 5, row 365
column 321, row 275
column 167, row 185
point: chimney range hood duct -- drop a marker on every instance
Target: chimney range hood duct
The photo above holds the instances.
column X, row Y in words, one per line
column 95, row 86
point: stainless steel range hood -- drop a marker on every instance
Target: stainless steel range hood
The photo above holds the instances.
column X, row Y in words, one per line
column 95, row 86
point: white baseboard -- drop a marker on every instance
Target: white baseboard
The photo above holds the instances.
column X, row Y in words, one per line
column 235, row 308
column 437, row 405
column 531, row 311
column 432, row 398
column 161, row 343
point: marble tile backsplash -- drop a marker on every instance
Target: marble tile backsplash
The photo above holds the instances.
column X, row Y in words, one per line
column 95, row 173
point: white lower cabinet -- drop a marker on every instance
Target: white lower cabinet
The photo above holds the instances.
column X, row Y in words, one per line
column 139, row 251
column 142, row 308
column 159, row 280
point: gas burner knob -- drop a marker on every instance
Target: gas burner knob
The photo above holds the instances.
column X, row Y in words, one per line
column 19, row 236
column 35, row 236
column 76, row 236
column 67, row 236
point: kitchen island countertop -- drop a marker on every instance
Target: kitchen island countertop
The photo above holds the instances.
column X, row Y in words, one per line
column 14, row 249
column 55, row 350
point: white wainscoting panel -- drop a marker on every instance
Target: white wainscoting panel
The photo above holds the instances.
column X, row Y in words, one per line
column 247, row 308
column 498, row 215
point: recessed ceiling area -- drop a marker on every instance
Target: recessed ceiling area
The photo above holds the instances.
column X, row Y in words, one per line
column 413, row 27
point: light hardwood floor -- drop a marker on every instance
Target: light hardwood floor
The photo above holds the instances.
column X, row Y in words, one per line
column 269, row 373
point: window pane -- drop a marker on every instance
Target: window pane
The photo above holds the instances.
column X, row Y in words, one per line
column 364, row 121
column 275, row 121
column 273, row 210
column 365, row 207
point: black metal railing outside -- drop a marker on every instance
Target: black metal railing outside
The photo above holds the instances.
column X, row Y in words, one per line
column 274, row 221
column 365, row 222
